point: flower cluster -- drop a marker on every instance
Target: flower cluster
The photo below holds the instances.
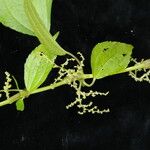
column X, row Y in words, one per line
column 7, row 85
column 73, row 75
column 136, row 74
column 81, row 96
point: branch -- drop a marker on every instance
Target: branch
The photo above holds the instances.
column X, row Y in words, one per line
column 24, row 93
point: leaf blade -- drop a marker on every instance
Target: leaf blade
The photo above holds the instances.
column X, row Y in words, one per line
column 20, row 105
column 12, row 14
column 37, row 67
column 109, row 58
column 40, row 30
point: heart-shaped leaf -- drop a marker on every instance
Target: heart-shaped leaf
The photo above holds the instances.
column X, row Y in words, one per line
column 37, row 67
column 12, row 14
column 110, row 58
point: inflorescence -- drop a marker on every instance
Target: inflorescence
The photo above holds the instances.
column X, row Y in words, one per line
column 136, row 74
column 73, row 76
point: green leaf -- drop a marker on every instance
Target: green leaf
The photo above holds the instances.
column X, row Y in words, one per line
column 12, row 14
column 110, row 58
column 37, row 67
column 40, row 30
column 20, row 105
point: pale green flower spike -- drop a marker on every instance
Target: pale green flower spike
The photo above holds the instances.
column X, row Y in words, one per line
column 7, row 85
column 107, row 58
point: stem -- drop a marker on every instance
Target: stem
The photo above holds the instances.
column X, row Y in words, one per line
column 143, row 65
column 50, row 87
column 24, row 93
column 63, row 82
column 89, row 85
column 87, row 76
column 14, row 98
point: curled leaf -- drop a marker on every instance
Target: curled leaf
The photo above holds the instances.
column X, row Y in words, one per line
column 110, row 58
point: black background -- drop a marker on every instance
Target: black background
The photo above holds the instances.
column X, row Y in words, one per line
column 46, row 124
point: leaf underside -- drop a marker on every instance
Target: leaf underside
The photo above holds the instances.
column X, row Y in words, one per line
column 12, row 14
column 40, row 30
column 110, row 58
